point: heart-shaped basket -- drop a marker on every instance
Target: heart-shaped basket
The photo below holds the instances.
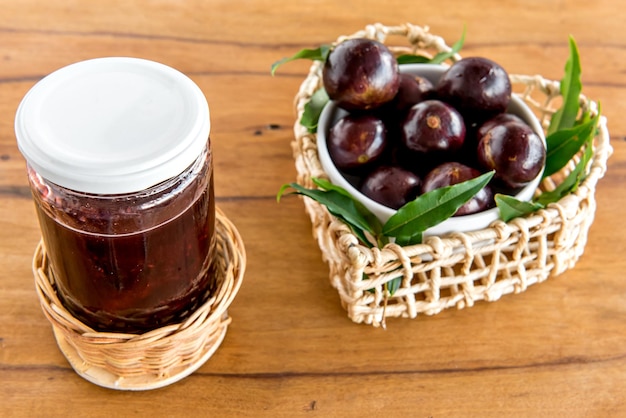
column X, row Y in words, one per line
column 458, row 269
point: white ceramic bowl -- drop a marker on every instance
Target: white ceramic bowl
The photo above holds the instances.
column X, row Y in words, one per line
column 331, row 113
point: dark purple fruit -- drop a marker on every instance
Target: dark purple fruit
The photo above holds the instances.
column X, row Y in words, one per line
column 361, row 74
column 433, row 126
column 514, row 151
column 497, row 120
column 356, row 142
column 478, row 87
column 451, row 173
column 391, row 186
column 412, row 89
column 476, row 131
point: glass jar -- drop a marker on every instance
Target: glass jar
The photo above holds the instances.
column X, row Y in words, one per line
column 120, row 167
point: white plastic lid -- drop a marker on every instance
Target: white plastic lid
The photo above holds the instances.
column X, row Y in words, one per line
column 112, row 125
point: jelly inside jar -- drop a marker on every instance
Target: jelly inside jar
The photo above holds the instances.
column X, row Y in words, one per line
column 131, row 263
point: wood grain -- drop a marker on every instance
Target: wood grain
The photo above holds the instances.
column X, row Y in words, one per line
column 558, row 349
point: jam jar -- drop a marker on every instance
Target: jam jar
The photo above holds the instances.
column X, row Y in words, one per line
column 120, row 167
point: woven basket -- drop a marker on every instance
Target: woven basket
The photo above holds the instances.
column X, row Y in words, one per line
column 156, row 358
column 458, row 269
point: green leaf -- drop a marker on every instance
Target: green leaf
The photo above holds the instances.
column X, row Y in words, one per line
column 584, row 118
column 571, row 87
column 456, row 47
column 433, row 207
column 511, row 207
column 416, row 238
column 393, row 285
column 563, row 144
column 437, row 59
column 313, row 109
column 356, row 230
column 282, row 190
column 318, row 54
column 412, row 59
column 327, row 185
column 343, row 206
column 372, row 220
column 571, row 182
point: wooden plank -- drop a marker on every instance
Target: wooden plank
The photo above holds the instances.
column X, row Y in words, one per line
column 555, row 350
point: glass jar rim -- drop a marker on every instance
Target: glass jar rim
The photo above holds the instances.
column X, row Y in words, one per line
column 112, row 125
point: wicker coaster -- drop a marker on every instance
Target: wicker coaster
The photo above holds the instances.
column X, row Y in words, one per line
column 159, row 357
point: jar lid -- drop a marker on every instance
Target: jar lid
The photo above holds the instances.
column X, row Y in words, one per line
column 112, row 125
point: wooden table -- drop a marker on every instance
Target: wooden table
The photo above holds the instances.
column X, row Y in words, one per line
column 558, row 349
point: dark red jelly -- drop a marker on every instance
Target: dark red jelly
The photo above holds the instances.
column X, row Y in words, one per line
column 134, row 262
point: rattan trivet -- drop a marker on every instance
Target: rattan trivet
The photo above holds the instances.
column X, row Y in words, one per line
column 156, row 358
column 458, row 269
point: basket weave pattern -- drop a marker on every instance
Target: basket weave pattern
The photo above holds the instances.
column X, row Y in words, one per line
column 458, row 269
column 158, row 354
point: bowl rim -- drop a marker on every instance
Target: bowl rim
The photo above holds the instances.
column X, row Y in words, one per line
column 465, row 223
